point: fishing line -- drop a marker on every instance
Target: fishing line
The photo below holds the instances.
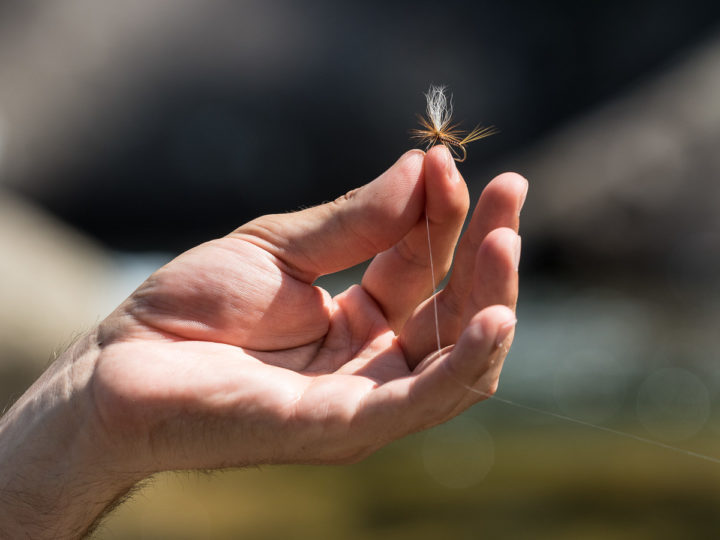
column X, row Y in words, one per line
column 434, row 284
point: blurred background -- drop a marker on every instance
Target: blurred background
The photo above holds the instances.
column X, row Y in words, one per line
column 131, row 131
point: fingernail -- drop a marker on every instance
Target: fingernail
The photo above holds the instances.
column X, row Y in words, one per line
column 523, row 196
column 504, row 331
column 516, row 254
column 450, row 167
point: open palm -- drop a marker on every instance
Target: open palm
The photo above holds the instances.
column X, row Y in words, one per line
column 229, row 355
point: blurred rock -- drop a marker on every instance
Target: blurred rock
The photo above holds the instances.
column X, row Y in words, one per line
column 636, row 183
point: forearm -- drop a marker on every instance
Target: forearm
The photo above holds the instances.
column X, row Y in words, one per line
column 57, row 472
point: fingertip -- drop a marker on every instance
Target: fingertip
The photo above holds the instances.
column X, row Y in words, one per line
column 501, row 245
column 412, row 158
column 513, row 186
column 446, row 191
column 418, row 151
column 473, row 355
column 407, row 169
column 440, row 163
column 511, row 177
column 440, row 153
column 491, row 326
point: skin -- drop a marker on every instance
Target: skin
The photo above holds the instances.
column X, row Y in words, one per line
column 230, row 356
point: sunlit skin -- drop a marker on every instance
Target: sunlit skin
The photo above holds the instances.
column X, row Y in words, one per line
column 237, row 322
column 230, row 356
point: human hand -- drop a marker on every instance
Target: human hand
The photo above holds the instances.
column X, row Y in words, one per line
column 229, row 355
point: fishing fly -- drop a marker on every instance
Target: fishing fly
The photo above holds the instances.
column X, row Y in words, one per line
column 437, row 127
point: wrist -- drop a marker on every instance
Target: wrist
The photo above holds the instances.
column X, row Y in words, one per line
column 58, row 469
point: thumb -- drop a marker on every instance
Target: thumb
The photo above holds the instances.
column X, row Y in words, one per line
column 349, row 230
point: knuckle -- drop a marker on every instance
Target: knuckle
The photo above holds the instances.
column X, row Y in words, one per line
column 452, row 302
column 347, row 196
column 411, row 256
column 491, row 388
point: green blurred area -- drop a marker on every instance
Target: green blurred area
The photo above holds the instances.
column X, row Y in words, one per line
column 554, row 482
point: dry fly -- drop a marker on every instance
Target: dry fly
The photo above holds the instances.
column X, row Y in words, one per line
column 437, row 127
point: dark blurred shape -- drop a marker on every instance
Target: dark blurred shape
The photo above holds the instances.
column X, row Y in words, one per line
column 629, row 193
column 158, row 125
